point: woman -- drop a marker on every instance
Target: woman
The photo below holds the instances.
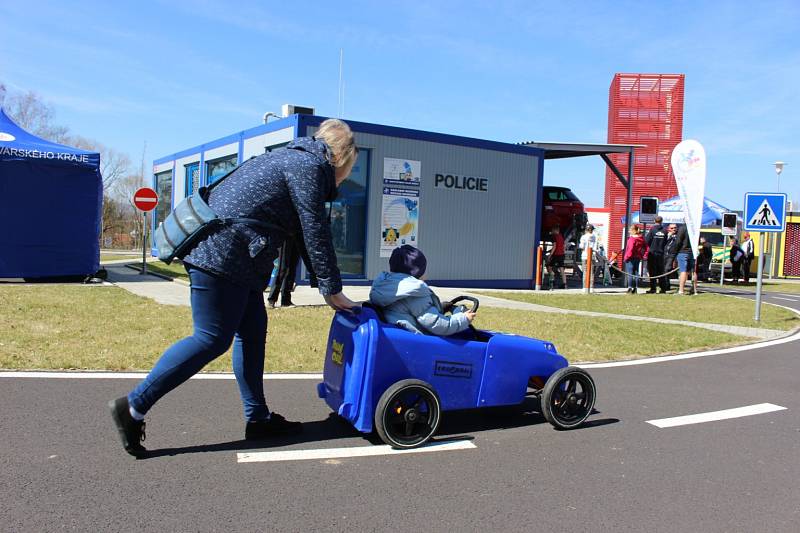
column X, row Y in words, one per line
column 635, row 251
column 230, row 269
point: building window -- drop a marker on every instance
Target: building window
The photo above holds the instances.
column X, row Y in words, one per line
column 192, row 179
column 349, row 219
column 164, row 192
column 219, row 167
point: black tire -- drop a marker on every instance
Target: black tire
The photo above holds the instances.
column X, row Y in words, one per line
column 407, row 414
column 568, row 397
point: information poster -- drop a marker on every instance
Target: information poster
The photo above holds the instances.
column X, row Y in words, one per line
column 399, row 219
column 402, row 172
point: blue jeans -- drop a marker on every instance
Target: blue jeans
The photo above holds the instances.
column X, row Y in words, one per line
column 632, row 269
column 222, row 312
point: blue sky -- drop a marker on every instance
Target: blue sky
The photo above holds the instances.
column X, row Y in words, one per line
column 176, row 74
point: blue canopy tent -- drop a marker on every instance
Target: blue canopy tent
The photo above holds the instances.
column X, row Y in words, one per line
column 672, row 212
column 51, row 199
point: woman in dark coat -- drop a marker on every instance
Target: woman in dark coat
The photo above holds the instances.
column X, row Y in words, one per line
column 230, row 269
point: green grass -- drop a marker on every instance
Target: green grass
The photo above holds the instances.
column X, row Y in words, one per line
column 174, row 270
column 116, row 257
column 705, row 308
column 767, row 286
column 107, row 328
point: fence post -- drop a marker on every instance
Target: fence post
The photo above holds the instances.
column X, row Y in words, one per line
column 587, row 272
column 538, row 283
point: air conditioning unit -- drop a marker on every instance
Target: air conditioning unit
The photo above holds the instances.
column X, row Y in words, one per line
column 291, row 109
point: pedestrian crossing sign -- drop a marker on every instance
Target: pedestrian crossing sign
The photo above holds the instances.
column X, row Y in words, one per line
column 765, row 212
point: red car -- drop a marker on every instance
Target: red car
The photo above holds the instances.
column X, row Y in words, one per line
column 561, row 206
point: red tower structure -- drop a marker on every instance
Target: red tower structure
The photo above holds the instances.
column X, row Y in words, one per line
column 644, row 109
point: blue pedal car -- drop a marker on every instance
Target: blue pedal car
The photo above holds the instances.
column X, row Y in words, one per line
column 381, row 377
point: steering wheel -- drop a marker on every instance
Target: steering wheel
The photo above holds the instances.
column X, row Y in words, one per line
column 475, row 301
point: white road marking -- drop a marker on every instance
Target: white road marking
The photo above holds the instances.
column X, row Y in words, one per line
column 787, row 299
column 359, row 451
column 139, row 375
column 790, row 295
column 725, row 414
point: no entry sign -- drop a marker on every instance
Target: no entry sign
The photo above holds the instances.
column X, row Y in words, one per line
column 145, row 199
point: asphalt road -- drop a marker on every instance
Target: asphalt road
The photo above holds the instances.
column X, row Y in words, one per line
column 62, row 467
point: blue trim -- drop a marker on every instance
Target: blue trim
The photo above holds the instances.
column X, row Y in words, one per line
column 231, row 139
column 202, row 173
column 443, row 138
column 240, row 152
column 537, row 203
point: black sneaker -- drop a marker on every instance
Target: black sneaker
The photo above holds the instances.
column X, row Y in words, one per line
column 131, row 431
column 276, row 425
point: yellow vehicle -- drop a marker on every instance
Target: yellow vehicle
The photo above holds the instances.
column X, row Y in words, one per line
column 722, row 250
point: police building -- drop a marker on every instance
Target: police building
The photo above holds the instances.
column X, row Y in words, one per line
column 471, row 205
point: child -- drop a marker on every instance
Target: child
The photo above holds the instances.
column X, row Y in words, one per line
column 555, row 260
column 408, row 302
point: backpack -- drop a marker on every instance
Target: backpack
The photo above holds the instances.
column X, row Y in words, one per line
column 192, row 220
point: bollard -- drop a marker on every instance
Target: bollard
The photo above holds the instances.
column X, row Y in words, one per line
column 538, row 283
column 587, row 273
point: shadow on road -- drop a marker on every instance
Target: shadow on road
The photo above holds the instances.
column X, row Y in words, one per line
column 456, row 425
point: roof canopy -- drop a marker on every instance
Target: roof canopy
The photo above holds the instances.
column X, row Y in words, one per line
column 556, row 150
column 17, row 144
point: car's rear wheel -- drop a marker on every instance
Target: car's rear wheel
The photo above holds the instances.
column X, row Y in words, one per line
column 407, row 414
column 568, row 397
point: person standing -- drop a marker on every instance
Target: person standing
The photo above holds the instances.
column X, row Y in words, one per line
column 229, row 270
column 555, row 261
column 635, row 251
column 588, row 244
column 704, row 259
column 749, row 250
column 737, row 256
column 670, row 252
column 656, row 239
column 283, row 284
column 686, row 262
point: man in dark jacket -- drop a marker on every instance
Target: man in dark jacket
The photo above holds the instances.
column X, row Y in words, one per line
column 656, row 238
column 670, row 252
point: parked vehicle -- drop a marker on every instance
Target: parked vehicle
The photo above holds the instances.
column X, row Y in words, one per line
column 560, row 206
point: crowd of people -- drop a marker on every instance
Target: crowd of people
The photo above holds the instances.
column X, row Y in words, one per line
column 657, row 255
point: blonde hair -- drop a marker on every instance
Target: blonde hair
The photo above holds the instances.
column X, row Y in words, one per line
column 635, row 229
column 339, row 138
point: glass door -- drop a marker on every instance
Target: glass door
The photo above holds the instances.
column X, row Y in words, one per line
column 349, row 219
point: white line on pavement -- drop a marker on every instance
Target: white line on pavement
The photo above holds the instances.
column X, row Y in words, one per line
column 139, row 375
column 359, row 451
column 725, row 414
column 787, row 299
column 665, row 358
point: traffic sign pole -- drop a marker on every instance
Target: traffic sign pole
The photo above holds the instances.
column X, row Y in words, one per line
column 722, row 261
column 760, row 275
column 144, row 244
column 145, row 199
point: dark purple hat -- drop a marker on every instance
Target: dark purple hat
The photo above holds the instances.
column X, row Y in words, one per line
column 408, row 260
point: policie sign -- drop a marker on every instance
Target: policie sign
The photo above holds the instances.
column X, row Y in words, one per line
column 462, row 183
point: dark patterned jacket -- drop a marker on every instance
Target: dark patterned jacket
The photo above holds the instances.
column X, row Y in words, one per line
column 287, row 188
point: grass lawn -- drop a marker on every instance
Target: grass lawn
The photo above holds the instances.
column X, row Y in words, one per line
column 116, row 257
column 768, row 286
column 707, row 308
column 107, row 328
column 173, row 270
